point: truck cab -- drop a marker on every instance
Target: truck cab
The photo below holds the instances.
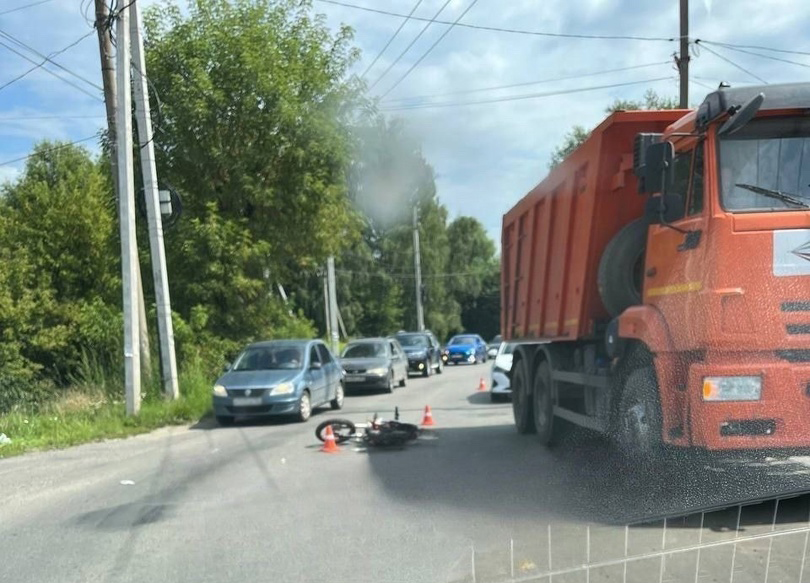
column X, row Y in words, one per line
column 726, row 292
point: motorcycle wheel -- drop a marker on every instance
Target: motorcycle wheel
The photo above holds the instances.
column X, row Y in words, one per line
column 343, row 429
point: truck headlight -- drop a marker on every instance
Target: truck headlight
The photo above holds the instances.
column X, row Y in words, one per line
column 378, row 372
column 747, row 388
column 283, row 389
column 219, row 391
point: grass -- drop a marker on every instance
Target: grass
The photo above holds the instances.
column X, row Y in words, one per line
column 91, row 413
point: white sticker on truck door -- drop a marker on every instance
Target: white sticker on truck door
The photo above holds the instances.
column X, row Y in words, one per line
column 791, row 252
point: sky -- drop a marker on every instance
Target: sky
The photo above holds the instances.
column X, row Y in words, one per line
column 486, row 155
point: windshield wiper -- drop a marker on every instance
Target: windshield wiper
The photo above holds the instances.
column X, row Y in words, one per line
column 784, row 197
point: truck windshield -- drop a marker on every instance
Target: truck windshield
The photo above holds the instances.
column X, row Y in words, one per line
column 766, row 166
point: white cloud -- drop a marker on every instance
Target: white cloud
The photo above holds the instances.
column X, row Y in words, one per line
column 488, row 156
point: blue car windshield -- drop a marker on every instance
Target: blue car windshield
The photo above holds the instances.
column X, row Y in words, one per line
column 365, row 350
column 270, row 358
column 462, row 340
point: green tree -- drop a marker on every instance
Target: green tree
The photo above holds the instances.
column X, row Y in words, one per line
column 571, row 142
column 256, row 100
column 58, row 266
column 481, row 313
column 472, row 253
column 651, row 100
column 579, row 134
column 476, row 282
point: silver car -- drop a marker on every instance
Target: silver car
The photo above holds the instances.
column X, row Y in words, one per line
column 279, row 377
column 374, row 363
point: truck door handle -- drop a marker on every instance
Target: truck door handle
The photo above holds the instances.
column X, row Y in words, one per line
column 690, row 241
column 651, row 272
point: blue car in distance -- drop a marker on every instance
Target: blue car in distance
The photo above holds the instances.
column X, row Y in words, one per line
column 279, row 377
column 469, row 348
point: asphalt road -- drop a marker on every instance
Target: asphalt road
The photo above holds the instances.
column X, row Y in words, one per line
column 476, row 503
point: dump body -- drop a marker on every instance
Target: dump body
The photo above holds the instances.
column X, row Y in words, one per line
column 553, row 239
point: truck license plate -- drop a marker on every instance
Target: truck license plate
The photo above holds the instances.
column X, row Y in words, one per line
column 246, row 401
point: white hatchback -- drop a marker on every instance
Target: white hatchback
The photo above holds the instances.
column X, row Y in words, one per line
column 501, row 389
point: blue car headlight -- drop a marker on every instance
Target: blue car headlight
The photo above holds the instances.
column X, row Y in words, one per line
column 283, row 389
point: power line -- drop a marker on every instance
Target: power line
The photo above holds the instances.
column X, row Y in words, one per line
column 413, row 42
column 30, row 60
column 747, row 52
column 527, row 83
column 733, row 64
column 34, row 68
column 702, row 84
column 41, row 56
column 504, row 30
column 430, row 48
column 756, row 47
column 24, row 6
column 525, row 96
column 393, row 36
column 59, row 147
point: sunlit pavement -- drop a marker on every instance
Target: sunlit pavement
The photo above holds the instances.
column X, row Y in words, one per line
column 478, row 503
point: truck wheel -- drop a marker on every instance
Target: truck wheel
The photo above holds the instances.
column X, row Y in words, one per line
column 521, row 400
column 621, row 270
column 543, row 401
column 638, row 425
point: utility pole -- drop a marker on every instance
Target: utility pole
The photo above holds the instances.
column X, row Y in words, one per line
column 341, row 324
column 333, row 324
column 417, row 267
column 105, row 50
column 327, row 317
column 126, row 211
column 168, row 359
column 683, row 59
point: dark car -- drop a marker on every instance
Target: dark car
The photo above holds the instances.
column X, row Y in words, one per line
column 374, row 363
column 469, row 348
column 423, row 350
column 279, row 377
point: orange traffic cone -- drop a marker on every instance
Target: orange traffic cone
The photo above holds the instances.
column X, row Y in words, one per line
column 329, row 445
column 482, row 385
column 428, row 418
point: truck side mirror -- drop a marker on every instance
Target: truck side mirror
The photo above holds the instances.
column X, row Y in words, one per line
column 658, row 168
column 665, row 208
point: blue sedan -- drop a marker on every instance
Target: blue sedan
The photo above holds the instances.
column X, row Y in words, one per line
column 281, row 377
column 469, row 348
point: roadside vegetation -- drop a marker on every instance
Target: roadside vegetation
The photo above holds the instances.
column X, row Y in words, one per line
column 280, row 162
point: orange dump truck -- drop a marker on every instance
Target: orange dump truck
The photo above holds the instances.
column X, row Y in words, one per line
column 657, row 282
